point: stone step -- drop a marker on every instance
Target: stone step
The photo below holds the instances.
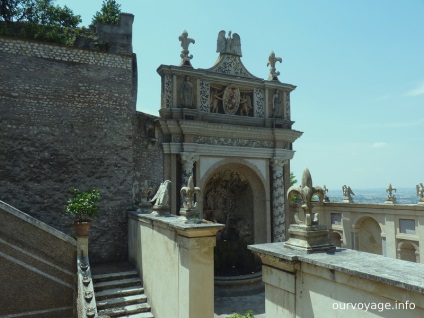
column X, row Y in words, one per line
column 119, row 292
column 127, row 310
column 112, row 276
column 117, row 284
column 121, row 301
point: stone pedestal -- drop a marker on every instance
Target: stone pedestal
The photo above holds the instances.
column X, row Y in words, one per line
column 189, row 215
column 390, row 201
column 313, row 238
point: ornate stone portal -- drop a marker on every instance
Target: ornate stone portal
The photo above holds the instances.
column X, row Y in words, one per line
column 223, row 123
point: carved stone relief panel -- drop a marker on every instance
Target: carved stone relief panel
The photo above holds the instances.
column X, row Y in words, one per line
column 287, row 114
column 259, row 103
column 225, row 141
column 231, row 99
column 231, row 65
column 167, row 91
column 204, row 96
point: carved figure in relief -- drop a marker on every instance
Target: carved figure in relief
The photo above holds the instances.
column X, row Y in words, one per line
column 420, row 192
column 230, row 44
column 231, row 99
column 161, row 199
column 245, row 105
column 186, row 93
column 215, row 100
column 185, row 42
column 272, row 59
column 277, row 104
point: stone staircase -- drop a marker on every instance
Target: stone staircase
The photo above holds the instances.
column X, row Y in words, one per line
column 120, row 294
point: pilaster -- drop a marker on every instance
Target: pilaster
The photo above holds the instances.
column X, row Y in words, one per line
column 278, row 210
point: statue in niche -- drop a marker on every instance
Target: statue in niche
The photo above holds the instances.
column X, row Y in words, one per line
column 215, row 100
column 186, row 93
column 228, row 45
column 185, row 42
column 277, row 104
column 272, row 59
column 245, row 105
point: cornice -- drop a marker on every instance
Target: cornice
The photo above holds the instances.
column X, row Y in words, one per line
column 208, row 75
column 199, row 128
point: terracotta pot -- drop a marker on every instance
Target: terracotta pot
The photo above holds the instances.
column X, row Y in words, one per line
column 82, row 229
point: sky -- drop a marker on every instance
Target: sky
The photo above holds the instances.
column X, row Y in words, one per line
column 358, row 66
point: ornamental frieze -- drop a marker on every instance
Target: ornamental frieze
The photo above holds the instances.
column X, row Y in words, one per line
column 225, row 141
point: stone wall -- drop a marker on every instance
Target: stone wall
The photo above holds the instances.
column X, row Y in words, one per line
column 67, row 119
column 148, row 154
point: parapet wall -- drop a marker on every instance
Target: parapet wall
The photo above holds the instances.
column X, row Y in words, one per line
column 67, row 118
column 392, row 230
column 343, row 283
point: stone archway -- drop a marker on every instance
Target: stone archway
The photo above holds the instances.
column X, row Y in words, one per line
column 231, row 196
column 368, row 236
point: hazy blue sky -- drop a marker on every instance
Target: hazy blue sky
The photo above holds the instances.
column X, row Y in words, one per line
column 358, row 66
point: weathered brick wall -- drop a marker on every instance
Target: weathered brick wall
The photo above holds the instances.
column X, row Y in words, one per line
column 66, row 119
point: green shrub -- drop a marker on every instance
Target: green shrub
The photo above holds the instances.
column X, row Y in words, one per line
column 248, row 314
column 82, row 205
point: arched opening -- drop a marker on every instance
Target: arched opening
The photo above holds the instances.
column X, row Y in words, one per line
column 407, row 251
column 229, row 199
column 236, row 193
column 369, row 236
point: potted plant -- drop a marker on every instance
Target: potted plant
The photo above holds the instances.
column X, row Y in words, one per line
column 82, row 205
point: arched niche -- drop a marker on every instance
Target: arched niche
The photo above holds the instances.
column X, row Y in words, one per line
column 234, row 194
column 368, row 236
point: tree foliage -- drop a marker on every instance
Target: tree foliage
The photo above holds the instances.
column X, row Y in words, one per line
column 39, row 20
column 42, row 12
column 108, row 14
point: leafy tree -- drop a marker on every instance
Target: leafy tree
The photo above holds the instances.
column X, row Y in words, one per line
column 42, row 12
column 39, row 20
column 109, row 13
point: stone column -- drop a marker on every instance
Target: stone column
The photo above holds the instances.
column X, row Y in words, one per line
column 187, row 161
column 278, row 194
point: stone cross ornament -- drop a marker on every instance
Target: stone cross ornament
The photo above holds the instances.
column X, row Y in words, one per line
column 306, row 191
